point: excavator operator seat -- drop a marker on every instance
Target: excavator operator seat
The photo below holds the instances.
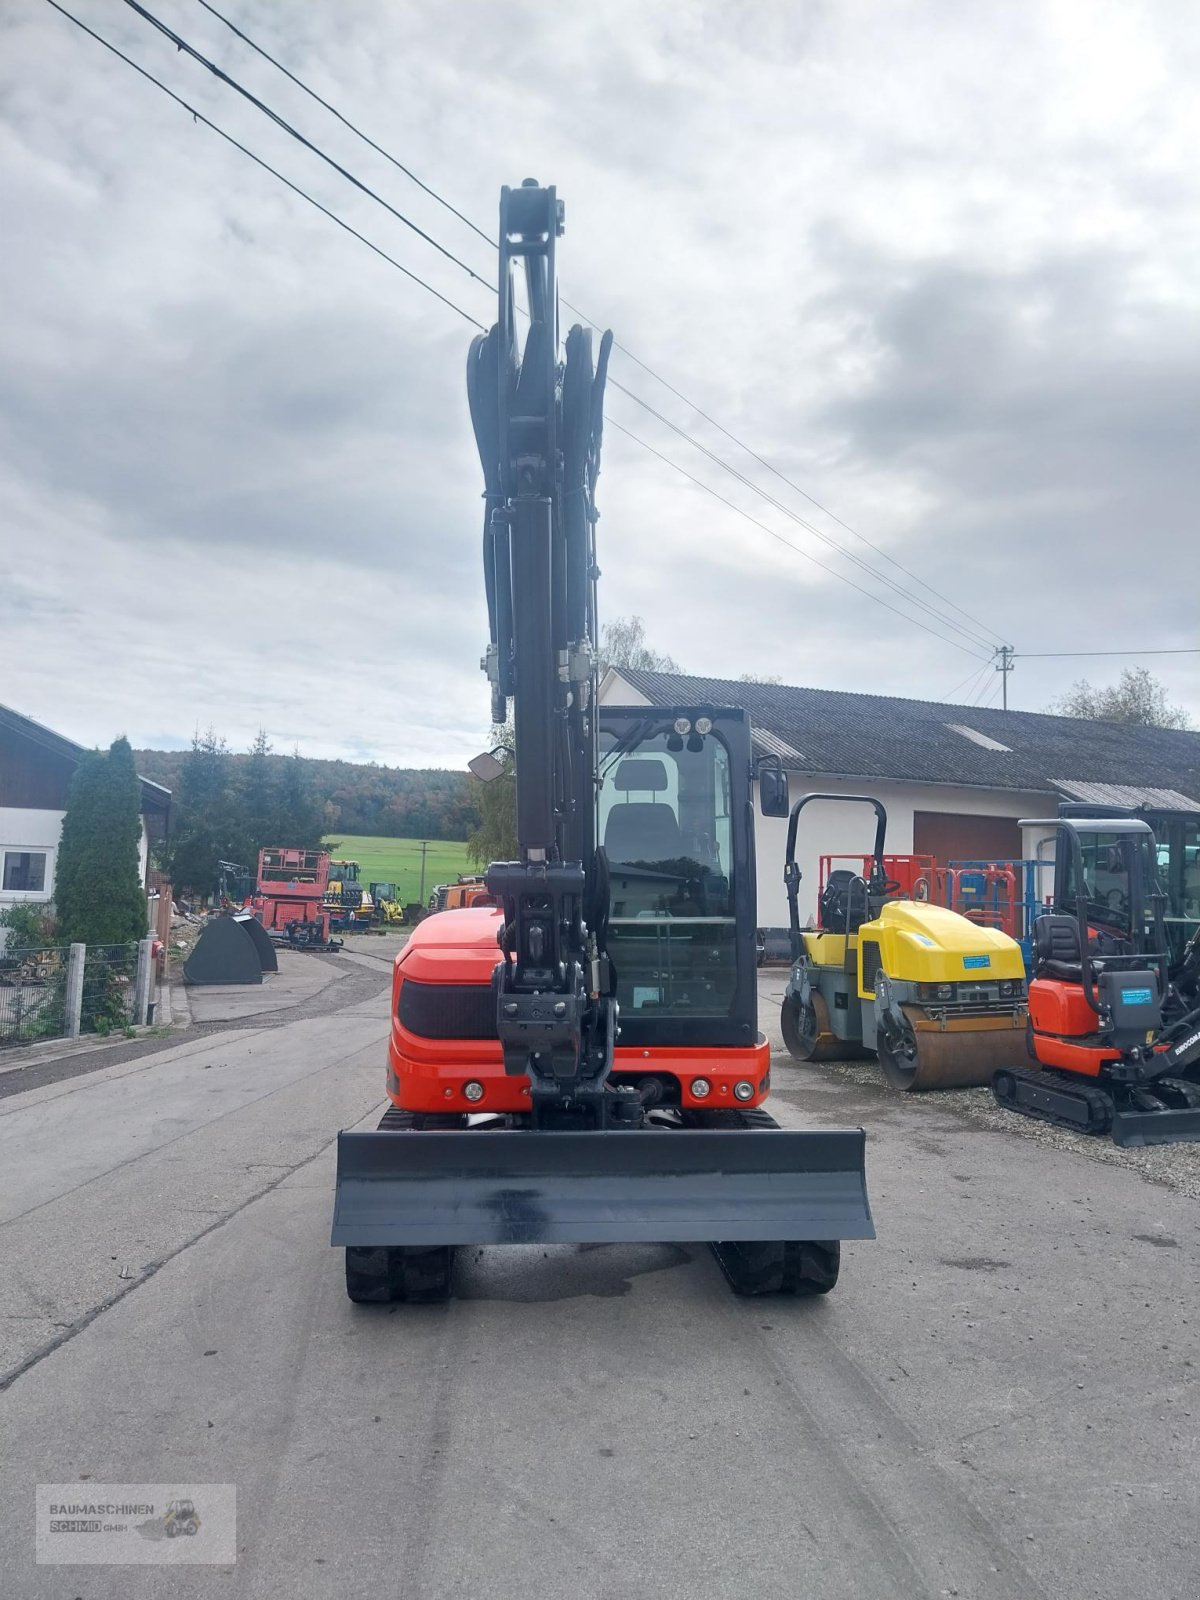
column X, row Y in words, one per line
column 642, row 830
column 1056, row 948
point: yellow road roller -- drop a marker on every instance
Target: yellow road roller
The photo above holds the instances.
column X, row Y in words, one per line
column 937, row 998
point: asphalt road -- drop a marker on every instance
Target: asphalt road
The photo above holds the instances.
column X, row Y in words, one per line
column 1000, row 1399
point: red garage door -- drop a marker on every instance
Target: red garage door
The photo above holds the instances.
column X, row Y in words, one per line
column 948, row 837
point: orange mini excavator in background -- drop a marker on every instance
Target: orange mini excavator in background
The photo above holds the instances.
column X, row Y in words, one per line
column 1114, row 1026
column 581, row 1062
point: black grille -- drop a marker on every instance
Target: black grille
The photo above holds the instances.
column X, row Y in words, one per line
column 448, row 1010
column 871, row 963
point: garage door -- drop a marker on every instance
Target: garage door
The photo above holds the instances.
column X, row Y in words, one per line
column 948, row 837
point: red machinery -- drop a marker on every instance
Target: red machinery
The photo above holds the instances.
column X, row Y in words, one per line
column 910, row 872
column 288, row 899
column 1114, row 1032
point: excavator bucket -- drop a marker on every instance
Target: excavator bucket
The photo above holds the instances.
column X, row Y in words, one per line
column 489, row 1186
column 260, row 939
column 226, row 952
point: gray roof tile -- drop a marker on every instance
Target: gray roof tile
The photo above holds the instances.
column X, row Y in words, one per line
column 878, row 736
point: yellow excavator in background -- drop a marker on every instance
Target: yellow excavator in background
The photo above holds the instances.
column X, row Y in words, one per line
column 349, row 905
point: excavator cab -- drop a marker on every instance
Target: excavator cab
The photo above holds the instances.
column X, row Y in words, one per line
column 681, row 911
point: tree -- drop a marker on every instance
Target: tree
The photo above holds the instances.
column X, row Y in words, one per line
column 205, row 829
column 623, row 644
column 759, row 677
column 98, row 884
column 301, row 818
column 1138, row 696
column 257, row 801
column 495, row 839
column 355, row 797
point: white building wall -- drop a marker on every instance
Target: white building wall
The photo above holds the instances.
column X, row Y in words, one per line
column 30, row 830
column 843, row 828
column 42, row 830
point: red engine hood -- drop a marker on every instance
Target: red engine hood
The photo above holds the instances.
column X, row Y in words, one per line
column 453, row 947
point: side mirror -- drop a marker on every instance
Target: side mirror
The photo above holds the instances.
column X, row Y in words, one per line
column 489, row 765
column 773, row 792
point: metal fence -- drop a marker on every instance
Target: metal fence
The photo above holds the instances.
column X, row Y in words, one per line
column 62, row 991
column 109, row 1000
column 33, row 994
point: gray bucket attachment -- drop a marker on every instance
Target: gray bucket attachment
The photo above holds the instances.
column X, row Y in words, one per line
column 261, row 939
column 224, row 953
column 493, row 1186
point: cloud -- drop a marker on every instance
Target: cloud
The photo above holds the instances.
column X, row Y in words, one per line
column 941, row 269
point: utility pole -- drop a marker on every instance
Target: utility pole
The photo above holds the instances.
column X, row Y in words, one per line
column 1005, row 665
column 424, row 847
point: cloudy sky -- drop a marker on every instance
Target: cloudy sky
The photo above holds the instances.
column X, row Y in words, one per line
column 939, row 263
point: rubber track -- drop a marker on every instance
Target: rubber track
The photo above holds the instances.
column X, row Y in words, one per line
column 1182, row 1091
column 777, row 1266
column 1096, row 1104
column 415, row 1274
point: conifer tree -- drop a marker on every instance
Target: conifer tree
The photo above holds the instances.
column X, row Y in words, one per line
column 98, row 884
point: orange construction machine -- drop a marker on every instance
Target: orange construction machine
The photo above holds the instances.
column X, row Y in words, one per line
column 581, row 1062
column 1114, row 1024
column 289, row 898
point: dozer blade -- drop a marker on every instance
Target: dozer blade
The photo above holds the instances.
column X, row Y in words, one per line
column 484, row 1186
column 1134, row 1128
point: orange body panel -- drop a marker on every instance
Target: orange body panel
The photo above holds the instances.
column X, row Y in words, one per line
column 1064, row 1028
column 1059, row 1007
column 428, row 1074
column 461, row 895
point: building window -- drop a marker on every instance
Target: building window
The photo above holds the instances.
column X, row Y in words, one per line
column 25, row 870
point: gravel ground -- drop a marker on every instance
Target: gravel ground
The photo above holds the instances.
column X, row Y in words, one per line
column 1174, row 1166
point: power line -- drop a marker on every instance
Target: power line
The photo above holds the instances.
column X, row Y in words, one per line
column 708, row 489
column 699, row 411
column 971, row 678
column 798, row 519
column 762, row 461
column 199, row 116
column 266, row 166
column 182, row 44
column 1070, row 655
column 345, row 121
column 980, row 694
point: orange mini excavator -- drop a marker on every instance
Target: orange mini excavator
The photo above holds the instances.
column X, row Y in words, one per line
column 581, row 1061
column 1114, row 1025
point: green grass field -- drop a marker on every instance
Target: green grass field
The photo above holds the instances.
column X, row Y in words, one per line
column 398, row 861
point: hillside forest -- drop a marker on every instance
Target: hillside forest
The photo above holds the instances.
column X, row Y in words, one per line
column 228, row 804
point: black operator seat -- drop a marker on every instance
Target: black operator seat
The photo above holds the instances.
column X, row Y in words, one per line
column 1056, row 947
column 642, row 830
column 843, row 905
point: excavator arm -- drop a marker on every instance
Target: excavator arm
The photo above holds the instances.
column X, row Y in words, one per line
column 538, row 425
